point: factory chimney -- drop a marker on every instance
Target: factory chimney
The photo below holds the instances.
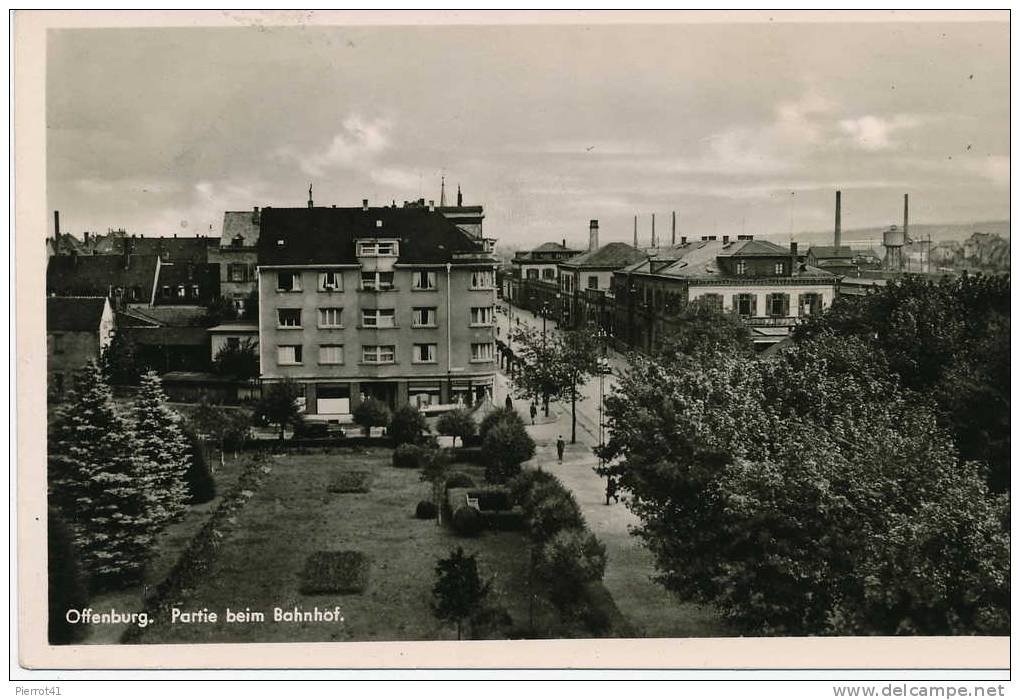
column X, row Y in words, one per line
column 593, row 234
column 672, row 240
column 653, row 230
column 906, row 218
column 838, row 215
column 56, row 231
column 635, row 231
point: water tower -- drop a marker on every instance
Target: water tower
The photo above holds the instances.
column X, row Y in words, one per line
column 893, row 239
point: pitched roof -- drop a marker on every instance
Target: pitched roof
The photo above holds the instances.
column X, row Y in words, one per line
column 751, row 248
column 326, row 235
column 243, row 224
column 699, row 259
column 830, row 251
column 169, row 316
column 611, row 255
column 97, row 274
column 189, row 249
column 74, row 313
column 551, row 247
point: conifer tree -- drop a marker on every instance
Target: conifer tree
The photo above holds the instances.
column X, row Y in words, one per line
column 161, row 441
column 97, row 478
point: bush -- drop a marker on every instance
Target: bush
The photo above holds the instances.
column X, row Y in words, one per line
column 350, row 482
column 199, row 479
column 407, row 426
column 311, row 429
column 335, row 572
column 457, row 423
column 459, row 480
column 498, row 416
column 408, row 456
column 550, row 508
column 467, row 522
column 570, row 560
column 371, row 413
column 426, row 510
column 467, row 455
column 67, row 589
column 506, row 445
column 522, row 485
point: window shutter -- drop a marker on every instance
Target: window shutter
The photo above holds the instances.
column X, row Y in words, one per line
column 800, row 304
column 786, row 305
column 754, row 304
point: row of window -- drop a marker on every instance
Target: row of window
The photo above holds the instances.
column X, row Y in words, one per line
column 181, row 291
column 421, row 280
column 421, row 317
column 548, row 273
column 333, row 354
column 776, row 304
column 568, row 282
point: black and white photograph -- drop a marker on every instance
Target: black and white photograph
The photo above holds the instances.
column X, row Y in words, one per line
column 578, row 329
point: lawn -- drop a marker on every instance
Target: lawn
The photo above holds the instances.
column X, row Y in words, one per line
column 295, row 515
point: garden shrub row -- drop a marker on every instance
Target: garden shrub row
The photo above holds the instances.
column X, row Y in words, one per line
column 350, row 482
column 194, row 563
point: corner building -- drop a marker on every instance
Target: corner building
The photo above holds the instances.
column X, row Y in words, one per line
column 393, row 303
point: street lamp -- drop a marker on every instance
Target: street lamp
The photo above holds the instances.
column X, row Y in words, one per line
column 603, row 363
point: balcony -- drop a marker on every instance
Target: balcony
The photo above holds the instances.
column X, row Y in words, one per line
column 770, row 321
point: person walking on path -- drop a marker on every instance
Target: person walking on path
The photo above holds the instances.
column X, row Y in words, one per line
column 534, row 412
column 509, row 403
column 611, row 491
column 560, row 446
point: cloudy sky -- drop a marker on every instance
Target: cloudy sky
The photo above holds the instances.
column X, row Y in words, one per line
column 739, row 128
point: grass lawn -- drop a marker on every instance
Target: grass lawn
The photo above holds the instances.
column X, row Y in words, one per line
column 294, row 514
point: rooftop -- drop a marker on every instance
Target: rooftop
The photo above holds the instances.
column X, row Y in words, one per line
column 699, row 259
column 611, row 255
column 96, row 274
column 74, row 313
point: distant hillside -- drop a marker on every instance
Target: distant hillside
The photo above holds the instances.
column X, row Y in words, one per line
column 860, row 237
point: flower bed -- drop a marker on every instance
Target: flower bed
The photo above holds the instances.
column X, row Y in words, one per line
column 335, row 572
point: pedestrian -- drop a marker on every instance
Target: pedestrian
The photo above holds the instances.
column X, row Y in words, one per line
column 534, row 412
column 560, row 446
column 509, row 403
column 611, row 491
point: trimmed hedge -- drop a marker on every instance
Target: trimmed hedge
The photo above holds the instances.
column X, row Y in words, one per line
column 459, row 480
column 350, row 482
column 408, row 456
column 466, row 455
column 334, row 572
column 467, row 522
column 426, row 510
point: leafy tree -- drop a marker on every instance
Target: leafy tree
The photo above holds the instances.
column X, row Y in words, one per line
column 700, row 329
column 101, row 482
column 161, row 441
column 279, row 405
column 808, row 494
column 459, row 591
column 434, row 470
column 220, row 310
column 505, row 446
column 457, row 423
column 201, row 486
column 371, row 413
column 67, row 587
column 568, row 562
column 120, row 361
column 497, row 416
column 230, row 429
column 250, row 312
column 240, row 361
column 407, row 426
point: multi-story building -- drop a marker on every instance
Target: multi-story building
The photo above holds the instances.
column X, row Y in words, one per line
column 237, row 255
column 533, row 282
column 768, row 286
column 394, row 303
column 78, row 329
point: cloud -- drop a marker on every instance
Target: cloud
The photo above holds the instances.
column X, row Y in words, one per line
column 398, row 178
column 356, row 145
column 872, row 133
column 995, row 168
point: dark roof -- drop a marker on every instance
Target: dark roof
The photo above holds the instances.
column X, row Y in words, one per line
column 187, row 273
column 74, row 313
column 326, row 235
column 189, row 249
column 699, row 259
column 830, row 251
column 96, row 274
column 168, row 316
column 752, row 248
column 552, row 247
column 611, row 255
column 243, row 224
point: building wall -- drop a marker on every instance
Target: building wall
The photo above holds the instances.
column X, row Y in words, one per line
column 452, row 331
column 729, row 292
column 541, row 269
column 68, row 351
column 219, row 339
column 226, row 256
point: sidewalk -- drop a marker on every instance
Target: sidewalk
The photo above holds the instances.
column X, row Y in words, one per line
column 650, row 609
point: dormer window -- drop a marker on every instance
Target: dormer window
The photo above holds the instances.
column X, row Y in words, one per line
column 741, row 267
column 370, row 249
column 780, row 268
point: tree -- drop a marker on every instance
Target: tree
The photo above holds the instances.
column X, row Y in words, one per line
column 505, row 446
column 201, row 485
column 459, row 591
column 229, row 428
column 66, row 584
column 219, row 310
column 809, row 493
column 700, row 329
column 371, row 413
column 579, row 354
column 161, row 442
column 435, row 467
column 240, row 361
column 250, row 312
column 279, row 405
column 407, row 426
column 100, row 481
column 497, row 416
column 120, row 361
column 568, row 562
column 539, row 376
column 457, row 423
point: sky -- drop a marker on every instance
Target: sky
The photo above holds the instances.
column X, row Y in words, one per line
column 738, row 128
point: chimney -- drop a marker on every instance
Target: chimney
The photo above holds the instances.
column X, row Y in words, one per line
column 364, row 205
column 564, row 244
column 683, row 240
column 673, row 237
column 255, row 215
column 793, row 247
column 653, row 230
column 725, row 240
column 86, row 238
column 838, row 214
column 793, row 258
column 906, row 217
column 56, row 224
column 460, row 197
column 432, row 204
column 593, row 234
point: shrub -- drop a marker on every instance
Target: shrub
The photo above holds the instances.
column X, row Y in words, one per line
column 67, row 589
column 408, row 456
column 550, row 509
column 426, row 510
column 457, row 423
column 498, row 416
column 459, row 480
column 199, row 479
column 467, row 522
column 467, row 455
column 407, row 426
column 570, row 560
column 350, row 482
column 459, row 592
column 506, row 445
column 335, row 572
column 371, row 413
column 524, row 483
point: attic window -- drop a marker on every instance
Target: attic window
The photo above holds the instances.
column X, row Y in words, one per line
column 378, row 223
column 280, row 241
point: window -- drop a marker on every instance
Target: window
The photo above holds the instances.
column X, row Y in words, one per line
column 135, row 293
column 376, row 248
column 288, row 355
column 482, row 279
column 194, row 291
column 330, row 281
column 567, row 282
column 377, row 318
column 237, row 272
column 166, row 291
column 712, row 301
column 481, row 352
column 532, row 274
column 424, row 352
column 331, row 354
column 481, row 316
column 548, row 273
column 423, row 316
column 180, row 291
column 377, row 281
column 288, row 282
column 593, row 281
column 233, row 342
column 779, row 304
column 741, row 267
column 331, row 317
column 288, row 318
column 780, row 268
column 423, row 279
column 747, row 304
column 378, row 354
column 810, row 304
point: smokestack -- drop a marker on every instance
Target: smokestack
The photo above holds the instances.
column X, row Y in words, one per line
column 725, row 240
column 56, row 223
column 683, row 240
column 593, row 234
column 673, row 237
column 653, row 230
column 564, row 243
column 635, row 231
column 906, row 217
column 838, row 215
column 364, row 205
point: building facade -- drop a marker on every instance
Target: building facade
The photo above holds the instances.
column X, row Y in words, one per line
column 78, row 329
column 237, row 256
column 393, row 303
